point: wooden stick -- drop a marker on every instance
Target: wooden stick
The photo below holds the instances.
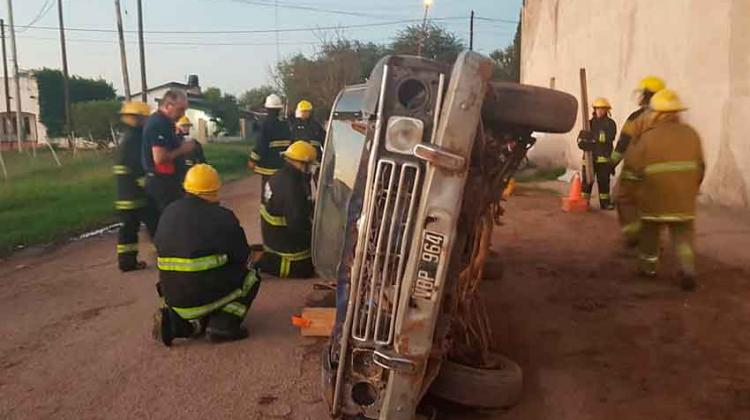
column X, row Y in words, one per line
column 588, row 156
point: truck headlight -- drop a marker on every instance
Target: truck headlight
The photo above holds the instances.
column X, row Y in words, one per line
column 403, row 134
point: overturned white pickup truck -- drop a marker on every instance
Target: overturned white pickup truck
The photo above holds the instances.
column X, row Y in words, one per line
column 410, row 186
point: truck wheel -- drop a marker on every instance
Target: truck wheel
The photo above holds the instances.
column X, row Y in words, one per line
column 531, row 107
column 480, row 388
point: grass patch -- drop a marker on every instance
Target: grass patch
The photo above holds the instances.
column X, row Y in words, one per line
column 537, row 175
column 42, row 202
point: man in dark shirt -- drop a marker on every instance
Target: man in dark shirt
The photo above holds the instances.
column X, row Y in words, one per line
column 162, row 150
column 305, row 127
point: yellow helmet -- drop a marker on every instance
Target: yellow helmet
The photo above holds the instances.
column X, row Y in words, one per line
column 301, row 151
column 651, row 84
column 304, row 105
column 666, row 100
column 602, row 103
column 135, row 108
column 184, row 120
column 203, row 180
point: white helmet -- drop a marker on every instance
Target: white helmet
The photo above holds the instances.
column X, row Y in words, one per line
column 273, row 102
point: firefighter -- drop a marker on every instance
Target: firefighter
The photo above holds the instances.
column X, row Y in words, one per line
column 286, row 215
column 131, row 203
column 163, row 151
column 265, row 158
column 625, row 199
column 305, row 127
column 668, row 161
column 183, row 132
column 599, row 141
column 206, row 277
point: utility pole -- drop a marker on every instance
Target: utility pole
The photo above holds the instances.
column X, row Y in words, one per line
column 471, row 32
column 123, row 57
column 14, row 52
column 6, row 128
column 144, row 94
column 420, row 46
column 66, row 84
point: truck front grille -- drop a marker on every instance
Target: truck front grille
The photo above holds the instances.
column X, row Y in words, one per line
column 392, row 206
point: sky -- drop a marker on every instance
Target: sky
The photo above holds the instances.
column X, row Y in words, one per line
column 181, row 38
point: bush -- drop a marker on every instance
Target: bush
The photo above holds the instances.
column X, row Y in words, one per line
column 95, row 119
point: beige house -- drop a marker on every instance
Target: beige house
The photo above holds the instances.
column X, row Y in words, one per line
column 33, row 129
column 700, row 47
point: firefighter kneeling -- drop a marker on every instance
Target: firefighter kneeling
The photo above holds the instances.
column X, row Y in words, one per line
column 206, row 277
column 286, row 215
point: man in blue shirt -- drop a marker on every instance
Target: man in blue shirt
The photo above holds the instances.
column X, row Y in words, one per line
column 162, row 150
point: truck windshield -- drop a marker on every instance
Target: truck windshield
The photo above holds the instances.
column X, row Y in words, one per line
column 338, row 172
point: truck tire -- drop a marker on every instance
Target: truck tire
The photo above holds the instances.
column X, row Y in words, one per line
column 531, row 107
column 480, row 388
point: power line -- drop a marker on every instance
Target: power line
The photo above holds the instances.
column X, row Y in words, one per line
column 177, row 43
column 46, row 7
column 514, row 22
column 255, row 31
column 302, row 7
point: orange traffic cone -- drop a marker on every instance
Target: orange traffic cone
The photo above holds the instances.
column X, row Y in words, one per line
column 574, row 202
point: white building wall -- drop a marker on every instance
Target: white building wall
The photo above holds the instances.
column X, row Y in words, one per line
column 29, row 100
column 700, row 47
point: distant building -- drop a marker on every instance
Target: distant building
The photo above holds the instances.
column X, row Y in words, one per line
column 33, row 129
column 204, row 123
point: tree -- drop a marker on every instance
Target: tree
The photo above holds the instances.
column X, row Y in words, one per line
column 52, row 102
column 225, row 109
column 439, row 43
column 255, row 98
column 96, row 119
column 508, row 60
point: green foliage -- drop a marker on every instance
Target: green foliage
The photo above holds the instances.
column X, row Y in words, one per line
column 508, row 60
column 256, row 97
column 343, row 62
column 439, row 44
column 225, row 108
column 42, row 202
column 51, row 99
column 95, row 119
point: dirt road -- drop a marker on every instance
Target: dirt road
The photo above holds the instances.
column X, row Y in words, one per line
column 595, row 341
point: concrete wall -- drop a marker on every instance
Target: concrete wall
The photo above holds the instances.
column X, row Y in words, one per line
column 700, row 47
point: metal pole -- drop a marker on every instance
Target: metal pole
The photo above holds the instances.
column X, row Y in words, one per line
column 424, row 30
column 6, row 81
column 144, row 94
column 471, row 32
column 123, row 57
column 66, row 77
column 17, row 78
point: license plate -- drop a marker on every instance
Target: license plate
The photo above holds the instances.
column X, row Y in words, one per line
column 430, row 254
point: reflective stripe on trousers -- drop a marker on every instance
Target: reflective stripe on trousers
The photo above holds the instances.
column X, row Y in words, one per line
column 127, row 248
column 191, row 265
column 227, row 301
column 129, row 204
column 288, row 258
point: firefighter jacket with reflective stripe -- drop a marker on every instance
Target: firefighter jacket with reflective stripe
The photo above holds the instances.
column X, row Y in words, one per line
column 203, row 253
column 603, row 131
column 129, row 171
column 669, row 162
column 629, row 133
column 274, row 138
column 309, row 130
column 286, row 214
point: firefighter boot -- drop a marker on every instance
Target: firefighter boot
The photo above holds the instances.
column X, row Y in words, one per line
column 168, row 326
column 223, row 326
